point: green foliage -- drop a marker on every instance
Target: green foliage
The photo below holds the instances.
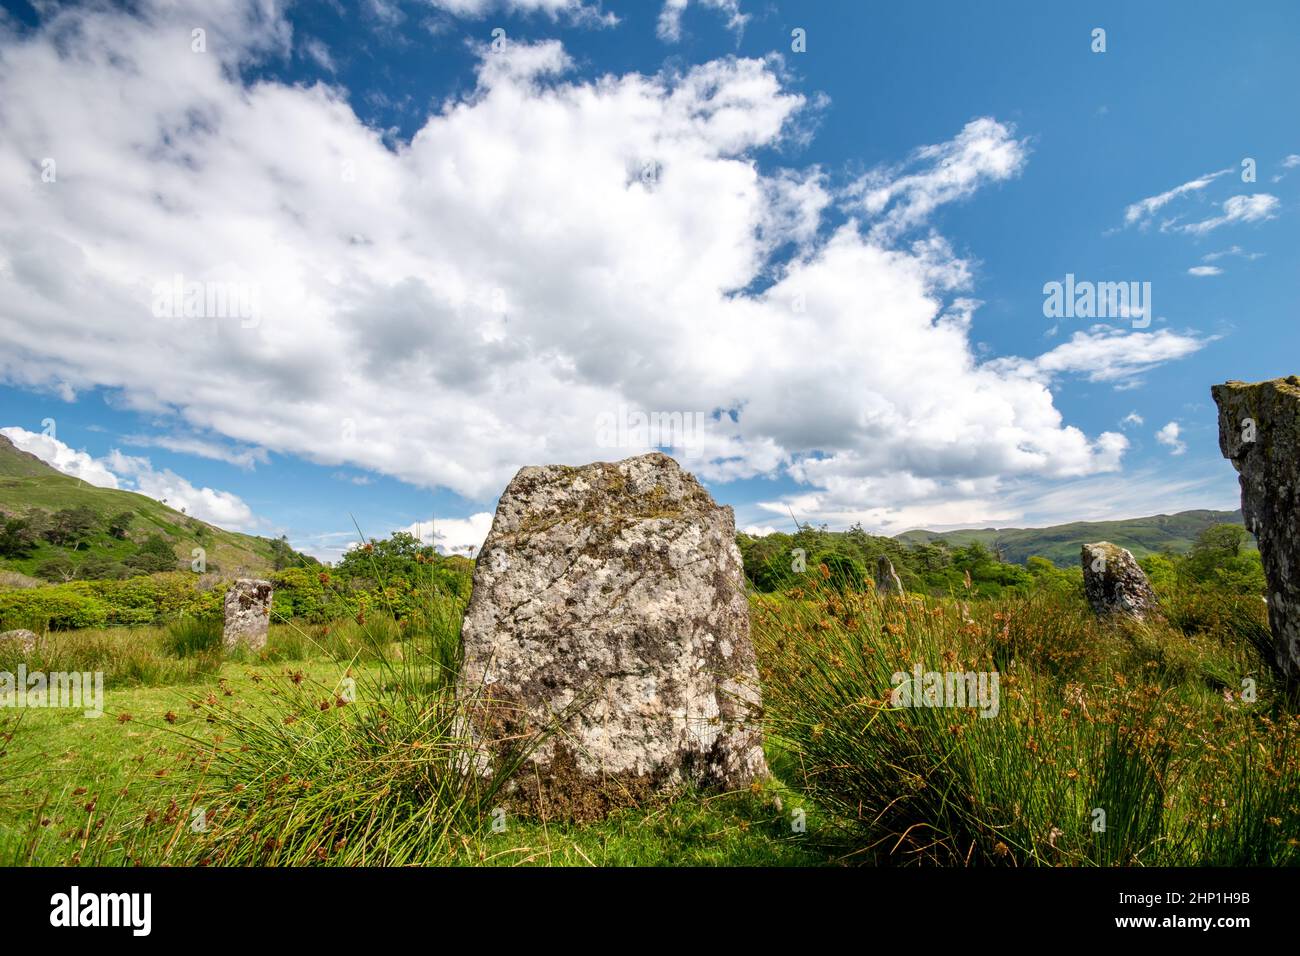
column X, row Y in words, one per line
column 1220, row 559
column 1091, row 715
column 71, row 526
column 842, row 572
column 57, row 568
column 119, row 525
column 155, row 555
column 133, row 602
column 1061, row 543
column 17, row 537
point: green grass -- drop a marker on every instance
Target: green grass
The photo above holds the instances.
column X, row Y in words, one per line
column 340, row 745
column 1148, row 724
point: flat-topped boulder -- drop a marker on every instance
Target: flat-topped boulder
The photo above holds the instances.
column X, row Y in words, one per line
column 1115, row 584
column 1259, row 432
column 247, row 614
column 609, row 611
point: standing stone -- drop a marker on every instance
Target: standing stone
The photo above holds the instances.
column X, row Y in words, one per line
column 1115, row 584
column 609, row 612
column 1259, row 432
column 248, row 613
column 25, row 639
column 887, row 581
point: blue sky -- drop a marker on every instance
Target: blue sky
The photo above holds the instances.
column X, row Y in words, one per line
column 455, row 277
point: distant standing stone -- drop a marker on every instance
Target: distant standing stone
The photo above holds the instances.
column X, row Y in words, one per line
column 609, row 607
column 248, row 613
column 887, row 581
column 1259, row 432
column 1115, row 584
column 26, row 639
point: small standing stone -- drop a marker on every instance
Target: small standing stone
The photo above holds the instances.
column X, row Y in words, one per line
column 887, row 581
column 248, row 613
column 26, row 639
column 1259, row 432
column 1115, row 584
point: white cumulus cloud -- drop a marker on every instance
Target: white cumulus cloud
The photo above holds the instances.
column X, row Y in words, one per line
column 544, row 251
column 128, row 473
column 55, row 453
column 1168, row 436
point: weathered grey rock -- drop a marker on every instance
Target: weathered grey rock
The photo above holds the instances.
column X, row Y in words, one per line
column 887, row 581
column 1115, row 584
column 26, row 640
column 609, row 607
column 1259, row 432
column 248, row 613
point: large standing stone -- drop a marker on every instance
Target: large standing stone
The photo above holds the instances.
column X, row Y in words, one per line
column 1115, row 584
column 887, row 581
column 248, row 613
column 1259, row 432
column 609, row 608
column 25, row 639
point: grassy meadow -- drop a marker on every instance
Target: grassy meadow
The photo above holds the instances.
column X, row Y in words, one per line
column 338, row 745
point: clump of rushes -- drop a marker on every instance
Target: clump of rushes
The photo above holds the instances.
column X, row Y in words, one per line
column 1113, row 744
column 372, row 769
column 379, row 779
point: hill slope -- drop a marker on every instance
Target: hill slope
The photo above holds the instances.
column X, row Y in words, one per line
column 27, row 483
column 1061, row 543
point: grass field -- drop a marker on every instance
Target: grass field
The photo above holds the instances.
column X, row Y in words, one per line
column 337, row 746
column 125, row 788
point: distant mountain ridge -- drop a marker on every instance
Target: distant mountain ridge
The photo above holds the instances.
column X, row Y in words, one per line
column 1061, row 543
column 27, row 482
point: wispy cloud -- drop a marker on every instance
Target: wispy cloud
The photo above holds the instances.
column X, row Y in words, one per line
column 669, row 26
column 1204, row 271
column 243, row 457
column 984, row 151
column 1106, row 354
column 1141, row 212
column 1253, row 208
column 1231, row 251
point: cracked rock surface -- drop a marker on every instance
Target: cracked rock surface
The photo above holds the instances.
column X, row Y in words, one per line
column 1259, row 432
column 609, row 608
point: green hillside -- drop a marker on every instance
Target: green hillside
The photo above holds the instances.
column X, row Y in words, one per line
column 1061, row 543
column 50, row 520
